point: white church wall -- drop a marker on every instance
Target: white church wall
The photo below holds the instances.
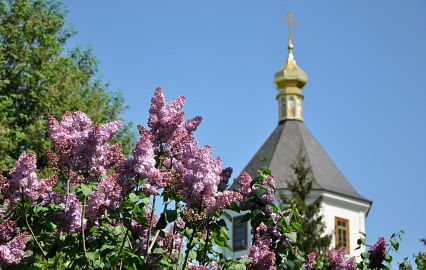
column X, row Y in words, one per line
column 333, row 206
column 346, row 208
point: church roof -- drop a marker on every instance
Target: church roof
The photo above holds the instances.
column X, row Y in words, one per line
column 280, row 150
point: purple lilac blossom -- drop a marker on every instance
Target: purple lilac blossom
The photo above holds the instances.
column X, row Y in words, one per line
column 309, row 263
column 263, row 258
column 12, row 252
column 143, row 162
column 339, row 261
column 23, row 180
column 82, row 145
column 245, row 180
column 201, row 176
column 170, row 132
column 377, row 253
column 107, row 197
column 69, row 219
column 7, row 230
column 23, row 177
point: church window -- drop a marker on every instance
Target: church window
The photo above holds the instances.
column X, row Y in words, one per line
column 342, row 233
column 283, row 107
column 239, row 233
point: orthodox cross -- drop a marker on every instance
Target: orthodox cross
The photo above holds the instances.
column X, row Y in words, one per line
column 291, row 21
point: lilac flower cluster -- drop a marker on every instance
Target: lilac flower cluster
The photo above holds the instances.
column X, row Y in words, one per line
column 107, row 197
column 246, row 189
column 12, row 243
column 338, row 260
column 83, row 146
column 261, row 254
column 197, row 175
column 377, row 253
column 23, row 181
column 309, row 263
column 69, row 217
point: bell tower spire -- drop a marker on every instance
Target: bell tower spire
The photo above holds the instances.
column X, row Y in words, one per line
column 289, row 81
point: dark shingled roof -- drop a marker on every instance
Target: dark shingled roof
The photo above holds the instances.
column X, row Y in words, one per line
column 281, row 148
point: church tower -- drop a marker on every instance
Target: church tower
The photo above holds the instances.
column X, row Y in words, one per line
column 343, row 208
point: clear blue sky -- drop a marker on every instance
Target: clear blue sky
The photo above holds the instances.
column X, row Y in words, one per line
column 364, row 102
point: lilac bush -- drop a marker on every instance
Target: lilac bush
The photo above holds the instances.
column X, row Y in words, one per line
column 163, row 207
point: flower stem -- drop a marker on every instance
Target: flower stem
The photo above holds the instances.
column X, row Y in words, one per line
column 188, row 248
column 206, row 245
column 35, row 239
column 179, row 254
column 83, row 238
column 150, row 226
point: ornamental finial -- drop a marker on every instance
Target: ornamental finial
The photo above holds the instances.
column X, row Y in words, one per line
column 291, row 21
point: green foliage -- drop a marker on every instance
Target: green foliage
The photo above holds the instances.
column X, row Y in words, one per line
column 312, row 238
column 39, row 78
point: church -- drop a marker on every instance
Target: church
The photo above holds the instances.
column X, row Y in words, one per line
column 343, row 208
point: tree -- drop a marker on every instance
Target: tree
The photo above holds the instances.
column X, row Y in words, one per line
column 38, row 77
column 313, row 237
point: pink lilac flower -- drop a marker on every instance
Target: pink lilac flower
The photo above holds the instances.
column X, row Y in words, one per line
column 201, row 176
column 339, row 261
column 180, row 223
column 45, row 188
column 107, row 197
column 309, row 263
column 263, row 258
column 7, row 230
column 82, row 145
column 12, row 252
column 269, row 195
column 245, row 180
column 377, row 253
column 23, row 177
column 23, row 181
column 69, row 219
column 223, row 199
column 143, row 163
column 167, row 124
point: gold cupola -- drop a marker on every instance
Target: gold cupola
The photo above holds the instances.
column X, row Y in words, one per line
column 289, row 81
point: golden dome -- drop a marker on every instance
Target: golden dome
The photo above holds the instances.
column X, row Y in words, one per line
column 290, row 75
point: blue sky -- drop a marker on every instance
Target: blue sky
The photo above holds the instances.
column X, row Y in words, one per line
column 364, row 102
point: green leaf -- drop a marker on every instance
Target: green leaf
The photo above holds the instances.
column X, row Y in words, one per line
column 365, row 255
column 58, row 190
column 133, row 197
column 259, row 191
column 227, row 216
column 395, row 244
column 237, row 267
column 297, row 226
column 290, row 264
column 192, row 254
column 166, row 217
column 86, row 189
column 159, row 251
column 292, row 236
column 388, row 258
